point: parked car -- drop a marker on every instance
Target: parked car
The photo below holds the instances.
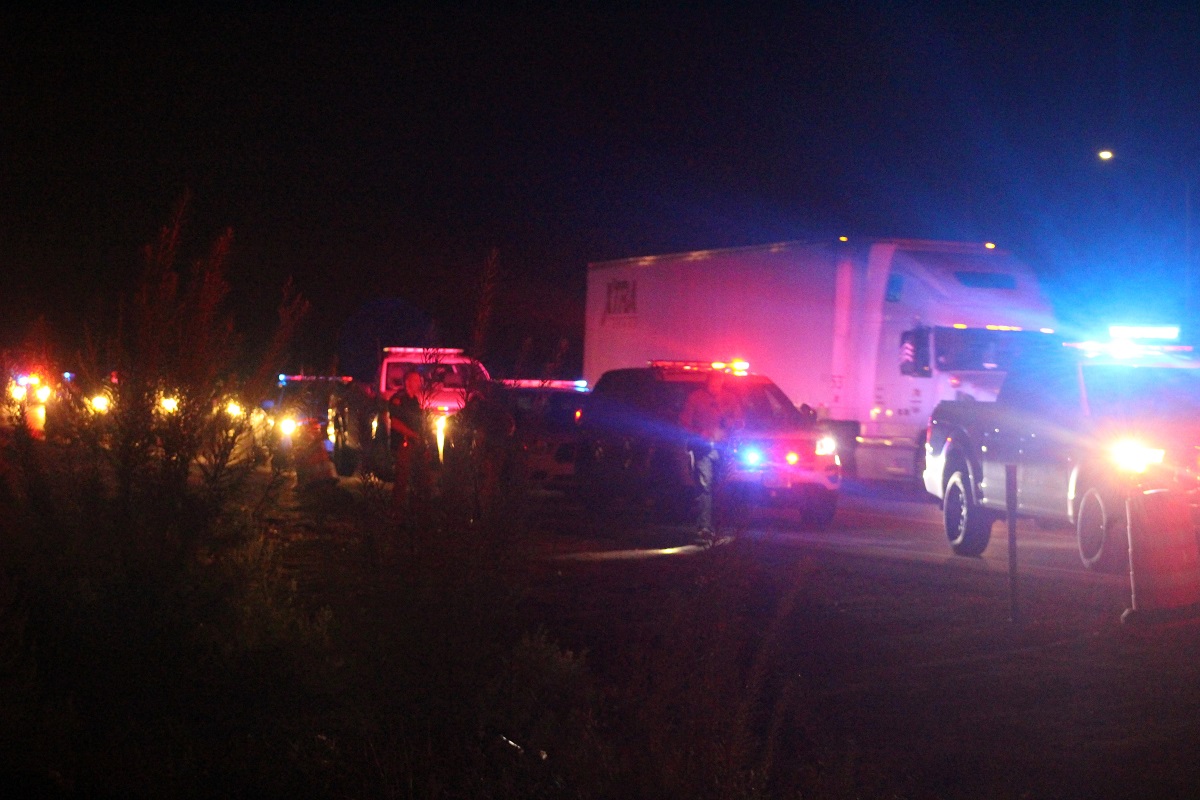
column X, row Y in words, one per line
column 545, row 413
column 300, row 423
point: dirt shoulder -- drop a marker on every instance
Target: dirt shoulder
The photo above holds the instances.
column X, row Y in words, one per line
column 803, row 672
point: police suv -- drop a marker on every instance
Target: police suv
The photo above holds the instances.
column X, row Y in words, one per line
column 633, row 451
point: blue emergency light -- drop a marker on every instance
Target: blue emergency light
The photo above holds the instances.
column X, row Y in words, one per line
column 1130, row 332
column 751, row 456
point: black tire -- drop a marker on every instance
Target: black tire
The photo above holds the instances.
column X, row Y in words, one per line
column 821, row 510
column 673, row 506
column 671, row 498
column 595, row 486
column 734, row 509
column 1101, row 530
column 345, row 461
column 345, row 458
column 968, row 527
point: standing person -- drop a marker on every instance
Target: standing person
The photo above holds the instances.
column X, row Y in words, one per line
column 709, row 415
column 407, row 420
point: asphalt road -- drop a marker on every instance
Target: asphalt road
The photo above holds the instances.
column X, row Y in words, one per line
column 886, row 522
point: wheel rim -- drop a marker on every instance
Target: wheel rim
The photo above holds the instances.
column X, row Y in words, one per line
column 957, row 508
column 1092, row 528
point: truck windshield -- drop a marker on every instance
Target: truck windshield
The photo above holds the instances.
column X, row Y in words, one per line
column 979, row 349
column 1144, row 392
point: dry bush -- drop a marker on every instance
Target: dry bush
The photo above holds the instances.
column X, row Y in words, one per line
column 153, row 618
column 700, row 702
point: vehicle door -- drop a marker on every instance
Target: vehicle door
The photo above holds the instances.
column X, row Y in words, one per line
column 1051, row 441
column 1000, row 444
column 1050, row 451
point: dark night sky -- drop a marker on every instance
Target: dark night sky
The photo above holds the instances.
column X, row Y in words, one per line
column 385, row 154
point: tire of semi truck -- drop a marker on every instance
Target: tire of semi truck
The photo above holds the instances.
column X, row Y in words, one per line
column 1101, row 530
column 968, row 526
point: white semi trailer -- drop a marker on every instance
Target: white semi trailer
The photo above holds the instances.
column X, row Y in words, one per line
column 870, row 334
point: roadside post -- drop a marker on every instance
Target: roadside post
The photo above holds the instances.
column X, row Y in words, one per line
column 1130, row 614
column 1010, row 504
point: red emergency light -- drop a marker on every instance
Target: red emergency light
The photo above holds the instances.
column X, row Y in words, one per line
column 736, row 367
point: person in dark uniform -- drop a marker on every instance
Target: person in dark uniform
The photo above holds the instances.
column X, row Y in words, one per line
column 408, row 427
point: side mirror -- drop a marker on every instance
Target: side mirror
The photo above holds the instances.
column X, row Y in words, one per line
column 914, row 353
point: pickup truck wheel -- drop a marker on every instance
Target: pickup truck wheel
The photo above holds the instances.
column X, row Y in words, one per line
column 1100, row 530
column 596, row 484
column 968, row 527
column 345, row 459
column 734, row 506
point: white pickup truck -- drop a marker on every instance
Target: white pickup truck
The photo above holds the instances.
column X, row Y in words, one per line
column 1079, row 429
column 361, row 423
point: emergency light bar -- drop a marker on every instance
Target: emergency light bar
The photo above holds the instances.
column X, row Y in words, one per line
column 737, row 366
column 1128, row 332
column 298, row 378
column 426, row 351
column 533, row 383
column 1126, row 349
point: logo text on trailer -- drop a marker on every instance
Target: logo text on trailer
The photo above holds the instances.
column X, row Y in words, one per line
column 621, row 299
